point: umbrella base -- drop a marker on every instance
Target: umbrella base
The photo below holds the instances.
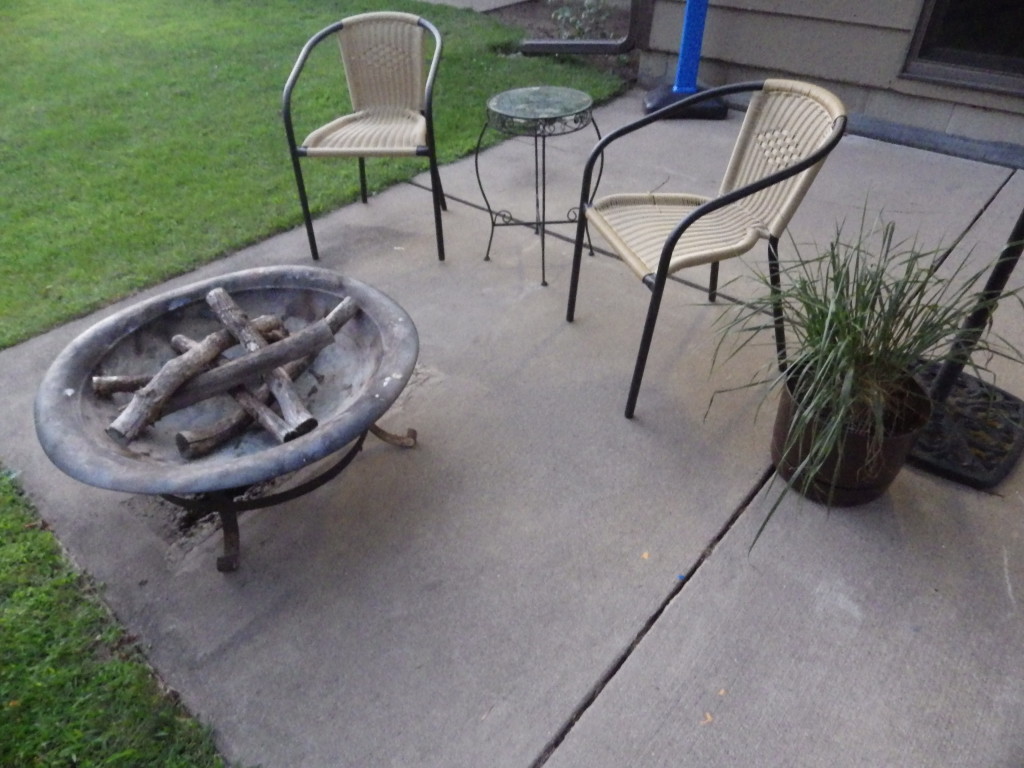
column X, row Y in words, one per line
column 663, row 95
column 975, row 437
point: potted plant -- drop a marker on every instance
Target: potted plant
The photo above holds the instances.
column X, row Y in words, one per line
column 860, row 318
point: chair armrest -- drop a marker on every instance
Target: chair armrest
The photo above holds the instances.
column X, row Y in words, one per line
column 428, row 91
column 293, row 78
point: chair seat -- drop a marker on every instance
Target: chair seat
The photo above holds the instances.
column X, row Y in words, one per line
column 370, row 133
column 637, row 226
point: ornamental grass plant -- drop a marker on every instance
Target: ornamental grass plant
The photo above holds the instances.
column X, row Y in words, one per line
column 861, row 317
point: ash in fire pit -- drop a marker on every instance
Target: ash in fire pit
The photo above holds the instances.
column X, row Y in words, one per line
column 342, row 384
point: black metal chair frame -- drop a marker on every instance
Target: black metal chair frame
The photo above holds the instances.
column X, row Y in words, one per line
column 656, row 281
column 429, row 151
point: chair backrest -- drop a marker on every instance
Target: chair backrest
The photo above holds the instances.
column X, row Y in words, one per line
column 786, row 121
column 383, row 56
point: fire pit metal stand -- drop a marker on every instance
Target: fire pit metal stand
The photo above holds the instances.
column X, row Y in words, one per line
column 229, row 503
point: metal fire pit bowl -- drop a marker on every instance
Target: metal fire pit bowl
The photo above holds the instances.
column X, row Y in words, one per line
column 348, row 386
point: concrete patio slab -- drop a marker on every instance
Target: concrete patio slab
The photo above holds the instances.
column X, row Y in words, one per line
column 463, row 602
column 500, row 567
column 887, row 635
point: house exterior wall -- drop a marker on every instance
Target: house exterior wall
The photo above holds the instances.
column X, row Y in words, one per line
column 858, row 50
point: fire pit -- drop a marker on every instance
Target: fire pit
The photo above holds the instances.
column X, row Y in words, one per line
column 346, row 387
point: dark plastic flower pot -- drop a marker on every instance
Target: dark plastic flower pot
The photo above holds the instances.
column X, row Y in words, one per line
column 861, row 476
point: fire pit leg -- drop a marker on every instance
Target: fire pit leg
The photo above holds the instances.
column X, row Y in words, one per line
column 229, row 503
column 232, row 556
column 409, row 441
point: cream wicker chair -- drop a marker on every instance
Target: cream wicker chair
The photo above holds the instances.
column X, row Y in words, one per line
column 391, row 88
column 789, row 129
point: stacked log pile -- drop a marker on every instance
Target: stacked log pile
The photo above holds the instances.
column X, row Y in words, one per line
column 203, row 369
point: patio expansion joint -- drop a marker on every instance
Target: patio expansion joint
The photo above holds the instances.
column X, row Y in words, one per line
column 684, row 579
column 946, row 252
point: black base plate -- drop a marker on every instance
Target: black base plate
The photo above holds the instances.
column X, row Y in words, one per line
column 975, row 437
column 663, row 95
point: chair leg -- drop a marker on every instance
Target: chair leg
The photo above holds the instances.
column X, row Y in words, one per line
column 713, row 282
column 577, row 257
column 657, row 289
column 362, row 179
column 435, row 182
column 438, row 199
column 304, row 202
column 778, row 320
column 440, row 204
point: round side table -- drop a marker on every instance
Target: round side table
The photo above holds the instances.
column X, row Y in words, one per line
column 537, row 112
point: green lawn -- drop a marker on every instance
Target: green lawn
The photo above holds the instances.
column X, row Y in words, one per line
column 143, row 138
column 73, row 689
column 138, row 140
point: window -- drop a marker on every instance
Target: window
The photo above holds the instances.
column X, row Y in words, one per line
column 974, row 42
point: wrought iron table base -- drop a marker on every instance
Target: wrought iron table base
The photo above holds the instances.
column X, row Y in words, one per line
column 534, row 113
column 504, row 217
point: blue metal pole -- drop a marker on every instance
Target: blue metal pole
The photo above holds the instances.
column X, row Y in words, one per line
column 689, row 46
column 685, row 84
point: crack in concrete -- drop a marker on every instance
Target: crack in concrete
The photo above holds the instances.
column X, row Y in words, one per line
column 591, row 697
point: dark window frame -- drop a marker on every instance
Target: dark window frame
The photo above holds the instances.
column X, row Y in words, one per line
column 951, row 72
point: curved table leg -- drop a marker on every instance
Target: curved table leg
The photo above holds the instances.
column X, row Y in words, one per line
column 541, row 198
column 479, row 182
